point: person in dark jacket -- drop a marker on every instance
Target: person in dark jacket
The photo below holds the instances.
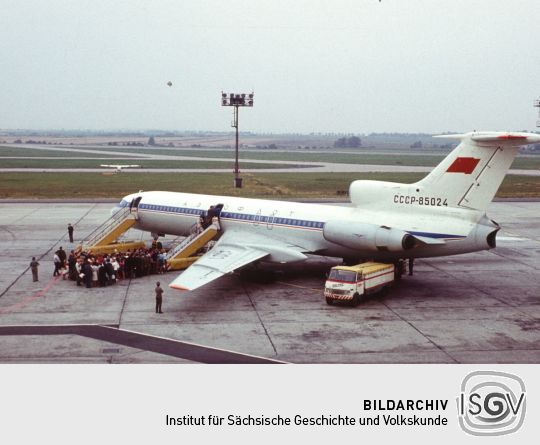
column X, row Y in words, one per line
column 72, row 269
column 102, row 275
column 63, row 257
column 110, row 272
column 159, row 297
column 87, row 271
column 34, row 266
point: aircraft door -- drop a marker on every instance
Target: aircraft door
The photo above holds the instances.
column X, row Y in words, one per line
column 218, row 209
column 271, row 219
column 217, row 212
column 258, row 217
column 134, row 206
column 213, row 212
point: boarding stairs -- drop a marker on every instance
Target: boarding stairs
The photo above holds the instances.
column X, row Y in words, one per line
column 183, row 254
column 104, row 239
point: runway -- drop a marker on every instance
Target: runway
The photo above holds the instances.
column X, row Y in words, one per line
column 474, row 308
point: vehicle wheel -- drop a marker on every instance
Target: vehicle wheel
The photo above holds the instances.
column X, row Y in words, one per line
column 356, row 300
column 329, row 301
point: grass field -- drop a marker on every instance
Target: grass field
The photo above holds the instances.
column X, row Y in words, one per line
column 264, row 185
column 420, row 160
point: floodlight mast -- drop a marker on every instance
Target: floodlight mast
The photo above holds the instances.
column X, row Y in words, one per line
column 537, row 105
column 236, row 101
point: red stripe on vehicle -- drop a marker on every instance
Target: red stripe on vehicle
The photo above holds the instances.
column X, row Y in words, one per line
column 463, row 165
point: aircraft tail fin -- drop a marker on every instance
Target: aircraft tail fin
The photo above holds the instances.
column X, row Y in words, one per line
column 471, row 174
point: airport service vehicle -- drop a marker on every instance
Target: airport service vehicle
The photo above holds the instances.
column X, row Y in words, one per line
column 354, row 283
column 442, row 214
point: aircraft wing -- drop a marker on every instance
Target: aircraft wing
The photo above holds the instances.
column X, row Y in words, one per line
column 234, row 250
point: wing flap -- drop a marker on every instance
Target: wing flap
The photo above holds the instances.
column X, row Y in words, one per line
column 221, row 260
column 234, row 250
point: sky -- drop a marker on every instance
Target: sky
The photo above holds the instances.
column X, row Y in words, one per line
column 343, row 66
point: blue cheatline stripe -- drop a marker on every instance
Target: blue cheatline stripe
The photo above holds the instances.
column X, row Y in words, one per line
column 241, row 217
column 436, row 235
column 246, row 217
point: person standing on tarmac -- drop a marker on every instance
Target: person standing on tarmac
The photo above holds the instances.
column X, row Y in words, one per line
column 72, row 270
column 34, row 266
column 159, row 297
column 63, row 257
column 70, row 232
column 57, row 265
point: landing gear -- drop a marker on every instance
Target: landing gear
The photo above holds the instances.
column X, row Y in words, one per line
column 350, row 261
column 411, row 266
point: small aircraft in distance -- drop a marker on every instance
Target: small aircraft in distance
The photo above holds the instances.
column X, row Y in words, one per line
column 442, row 214
column 118, row 167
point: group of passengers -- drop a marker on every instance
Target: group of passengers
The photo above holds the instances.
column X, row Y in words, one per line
column 100, row 270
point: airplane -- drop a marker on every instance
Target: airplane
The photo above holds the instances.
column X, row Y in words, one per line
column 442, row 214
column 118, row 167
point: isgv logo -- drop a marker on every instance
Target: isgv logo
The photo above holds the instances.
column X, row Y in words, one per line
column 491, row 403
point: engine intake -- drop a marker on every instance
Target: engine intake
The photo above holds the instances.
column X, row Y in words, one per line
column 367, row 237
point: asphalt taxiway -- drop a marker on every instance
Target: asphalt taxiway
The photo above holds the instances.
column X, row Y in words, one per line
column 475, row 308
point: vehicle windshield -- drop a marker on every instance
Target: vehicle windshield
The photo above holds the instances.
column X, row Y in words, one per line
column 342, row 275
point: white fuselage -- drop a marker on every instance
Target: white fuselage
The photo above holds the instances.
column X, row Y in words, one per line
column 301, row 224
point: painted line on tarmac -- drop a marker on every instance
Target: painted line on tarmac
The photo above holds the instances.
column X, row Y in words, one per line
column 6, row 290
column 27, row 300
column 298, row 286
column 218, row 353
column 161, row 345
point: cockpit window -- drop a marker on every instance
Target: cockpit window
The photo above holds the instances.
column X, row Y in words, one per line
column 342, row 275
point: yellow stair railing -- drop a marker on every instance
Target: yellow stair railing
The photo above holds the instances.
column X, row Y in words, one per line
column 182, row 256
column 103, row 238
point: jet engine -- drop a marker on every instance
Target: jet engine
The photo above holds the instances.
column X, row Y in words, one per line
column 368, row 237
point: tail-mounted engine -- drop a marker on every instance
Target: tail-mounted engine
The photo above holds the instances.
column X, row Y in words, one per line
column 368, row 237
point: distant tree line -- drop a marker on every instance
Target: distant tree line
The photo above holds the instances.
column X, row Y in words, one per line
column 30, row 141
column 352, row 142
column 128, row 144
